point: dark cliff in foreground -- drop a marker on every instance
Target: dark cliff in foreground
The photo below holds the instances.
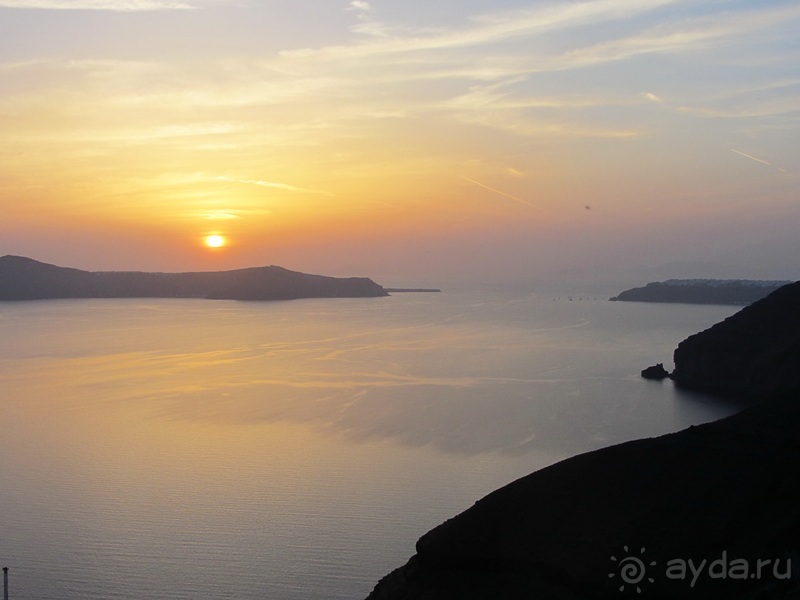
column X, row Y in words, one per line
column 711, row 512
column 728, row 492
column 701, row 291
column 26, row 279
column 755, row 352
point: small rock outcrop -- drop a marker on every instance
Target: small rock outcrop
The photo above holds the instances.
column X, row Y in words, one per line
column 656, row 371
column 755, row 352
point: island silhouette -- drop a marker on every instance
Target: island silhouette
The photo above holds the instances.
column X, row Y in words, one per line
column 23, row 278
column 702, row 291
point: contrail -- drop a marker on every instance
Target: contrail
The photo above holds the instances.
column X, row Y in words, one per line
column 763, row 162
column 751, row 157
column 491, row 189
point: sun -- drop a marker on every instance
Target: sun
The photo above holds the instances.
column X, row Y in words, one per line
column 215, row 241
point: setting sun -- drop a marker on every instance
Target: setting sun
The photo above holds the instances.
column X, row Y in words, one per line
column 214, row 241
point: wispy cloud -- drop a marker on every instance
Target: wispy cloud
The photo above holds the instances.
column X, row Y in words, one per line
column 685, row 36
column 111, row 5
column 360, row 5
column 494, row 28
column 368, row 24
column 489, row 48
column 771, row 98
column 275, row 185
column 396, row 101
column 220, row 216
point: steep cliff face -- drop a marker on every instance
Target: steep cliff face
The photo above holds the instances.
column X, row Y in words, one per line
column 755, row 352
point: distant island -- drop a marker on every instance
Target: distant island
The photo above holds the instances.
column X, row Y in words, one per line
column 413, row 290
column 27, row 279
column 702, row 291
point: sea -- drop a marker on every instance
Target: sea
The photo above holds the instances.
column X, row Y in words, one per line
column 183, row 449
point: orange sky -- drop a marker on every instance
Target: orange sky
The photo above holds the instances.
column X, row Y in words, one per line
column 400, row 141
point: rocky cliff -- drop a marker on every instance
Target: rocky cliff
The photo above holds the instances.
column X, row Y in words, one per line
column 26, row 279
column 755, row 352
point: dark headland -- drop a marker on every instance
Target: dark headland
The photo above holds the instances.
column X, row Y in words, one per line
column 711, row 512
column 27, row 279
column 753, row 353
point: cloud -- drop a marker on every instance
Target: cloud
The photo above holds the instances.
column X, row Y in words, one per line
column 772, row 98
column 495, row 28
column 275, row 185
column 368, row 25
column 690, row 35
column 360, row 5
column 399, row 99
column 111, row 5
column 219, row 216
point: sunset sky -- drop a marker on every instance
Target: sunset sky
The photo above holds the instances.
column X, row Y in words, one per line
column 406, row 140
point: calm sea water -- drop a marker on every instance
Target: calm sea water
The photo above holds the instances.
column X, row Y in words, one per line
column 184, row 449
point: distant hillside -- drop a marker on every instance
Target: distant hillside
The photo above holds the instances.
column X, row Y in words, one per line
column 702, row 291
column 27, row 279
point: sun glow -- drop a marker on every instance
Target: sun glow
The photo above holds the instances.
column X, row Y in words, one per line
column 215, row 241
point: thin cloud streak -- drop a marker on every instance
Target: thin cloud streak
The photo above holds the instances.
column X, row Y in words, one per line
column 683, row 37
column 502, row 193
column 751, row 157
column 275, row 185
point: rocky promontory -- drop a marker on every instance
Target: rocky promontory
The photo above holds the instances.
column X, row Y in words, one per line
column 27, row 279
column 755, row 352
column 701, row 291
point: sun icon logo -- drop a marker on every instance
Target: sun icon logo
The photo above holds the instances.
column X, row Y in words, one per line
column 631, row 570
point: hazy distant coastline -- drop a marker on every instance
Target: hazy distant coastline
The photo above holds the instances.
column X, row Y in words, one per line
column 702, row 291
column 27, row 279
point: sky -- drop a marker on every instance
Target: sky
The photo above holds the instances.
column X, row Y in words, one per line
column 412, row 141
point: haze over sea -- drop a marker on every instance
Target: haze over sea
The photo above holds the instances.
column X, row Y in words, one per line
column 184, row 449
